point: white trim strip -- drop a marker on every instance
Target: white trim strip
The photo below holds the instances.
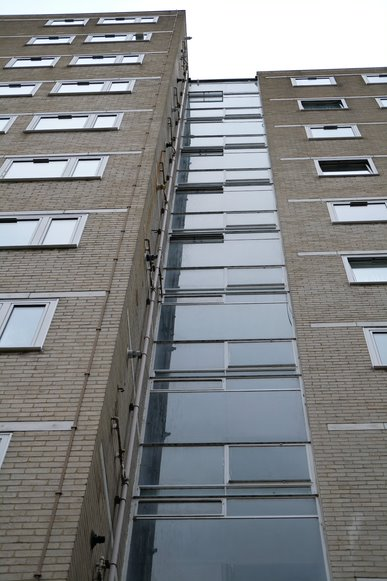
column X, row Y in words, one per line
column 356, row 427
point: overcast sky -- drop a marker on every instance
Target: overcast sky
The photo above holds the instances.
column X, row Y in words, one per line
column 236, row 38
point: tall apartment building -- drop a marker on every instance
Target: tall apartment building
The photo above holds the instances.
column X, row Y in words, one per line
column 193, row 334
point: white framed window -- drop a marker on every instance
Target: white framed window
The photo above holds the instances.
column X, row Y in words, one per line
column 67, row 22
column 24, row 324
column 102, row 86
column 123, row 37
column 382, row 102
column 358, row 211
column 321, row 104
column 128, row 20
column 54, row 167
column 373, row 79
column 107, row 59
column 51, row 40
column 332, row 131
column 366, row 269
column 312, row 81
column 4, row 443
column 18, row 89
column 376, row 339
column 6, row 122
column 36, row 230
column 30, row 62
column 350, row 166
column 75, row 121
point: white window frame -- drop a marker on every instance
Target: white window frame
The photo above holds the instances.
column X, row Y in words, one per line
column 67, row 22
column 373, row 350
column 68, row 39
column 382, row 102
column 369, row 162
column 11, row 119
column 129, row 37
column 330, row 131
column 4, row 443
column 358, row 202
column 6, row 308
column 42, row 227
column 369, row 78
column 107, row 85
column 118, row 59
column 35, row 87
column 68, row 172
column 312, row 81
column 343, row 102
column 128, row 20
column 350, row 272
column 92, row 119
column 30, row 62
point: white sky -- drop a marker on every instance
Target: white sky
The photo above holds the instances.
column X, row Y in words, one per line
column 236, row 38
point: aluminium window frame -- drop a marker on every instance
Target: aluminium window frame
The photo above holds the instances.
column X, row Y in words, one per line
column 353, row 126
column 118, row 59
column 107, row 84
column 130, row 20
column 367, row 76
column 31, row 60
column 89, row 126
column 11, row 120
column 129, row 37
column 351, row 273
column 369, row 162
column 17, row 84
column 359, row 201
column 341, row 99
column 33, row 40
column 331, row 81
column 67, row 22
column 5, row 439
column 6, row 309
column 42, row 227
column 376, row 359
column 68, row 173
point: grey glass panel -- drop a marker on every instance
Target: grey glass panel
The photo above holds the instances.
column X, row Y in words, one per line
column 22, row 90
column 22, row 326
column 217, row 177
column 203, row 491
column 4, row 122
column 44, row 62
column 226, row 127
column 194, row 279
column 268, row 463
column 117, row 86
column 105, row 121
column 230, row 88
column 227, row 549
column 236, row 101
column 269, row 491
column 254, row 276
column 326, row 133
column 361, row 213
column 29, row 169
column 87, row 167
column 221, row 417
column 243, row 199
column 188, row 385
column 230, row 321
column 179, row 508
column 53, row 40
column 263, row 383
column 17, row 233
column 75, row 88
column 198, row 221
column 57, row 123
column 130, row 59
column 60, row 231
column 194, row 113
column 381, row 345
column 277, row 507
column 113, row 38
column 251, row 219
column 89, row 60
column 229, row 160
column 263, row 353
column 369, row 269
column 189, row 356
column 232, row 252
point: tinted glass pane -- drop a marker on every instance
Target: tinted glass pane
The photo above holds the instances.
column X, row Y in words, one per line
column 85, row 60
column 179, row 508
column 17, row 233
column 226, row 128
column 105, row 121
column 60, row 231
column 263, row 383
column 4, row 122
column 205, row 278
column 381, row 345
column 189, row 385
column 371, row 270
column 218, row 177
column 320, row 132
column 44, row 62
column 268, row 463
column 228, row 87
column 371, row 211
column 29, row 169
column 87, row 167
column 57, row 123
column 22, row 90
column 264, row 353
column 22, row 326
column 117, row 86
column 225, row 417
column 227, row 549
column 254, row 276
column 247, row 199
column 75, row 88
column 228, row 160
column 277, row 507
column 189, row 356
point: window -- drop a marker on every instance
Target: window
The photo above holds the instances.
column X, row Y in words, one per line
column 321, row 104
column 72, row 122
column 18, row 89
column 376, row 339
column 345, row 167
column 35, row 230
column 312, row 81
column 332, row 131
column 6, row 122
column 128, row 37
column 375, row 79
column 110, row 59
column 24, row 324
column 34, row 61
column 382, row 102
column 367, row 269
column 129, row 20
column 54, row 167
column 67, row 22
column 51, row 40
column 4, row 442
column 75, row 87
column 358, row 211
column 205, row 96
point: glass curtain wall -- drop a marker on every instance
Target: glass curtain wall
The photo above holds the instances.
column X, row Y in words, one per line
column 225, row 489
